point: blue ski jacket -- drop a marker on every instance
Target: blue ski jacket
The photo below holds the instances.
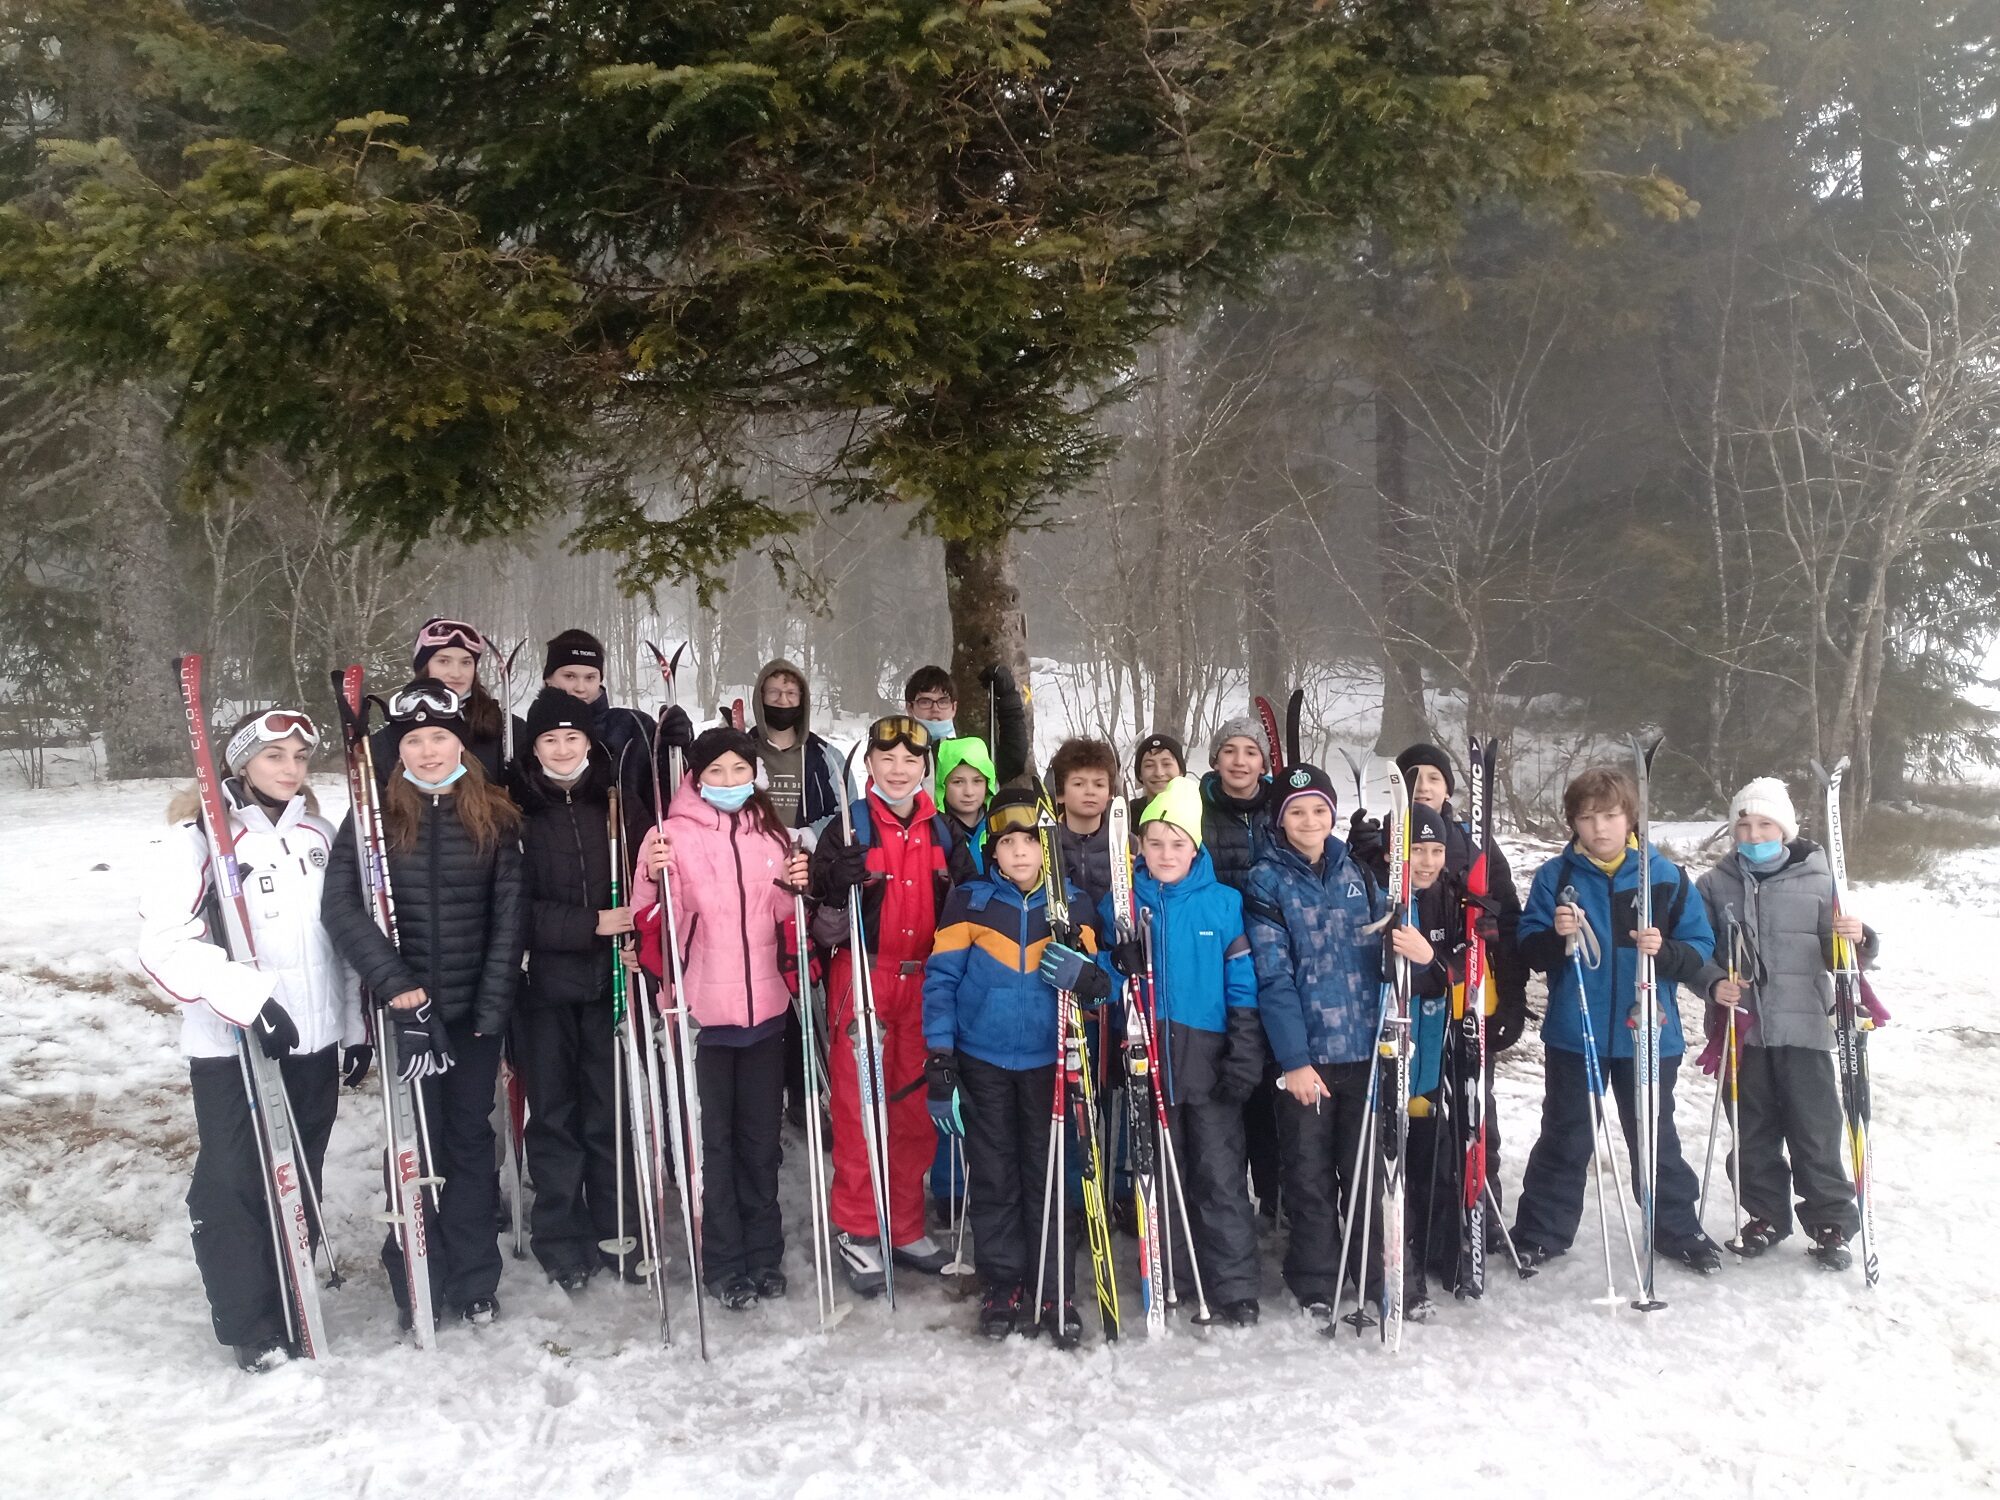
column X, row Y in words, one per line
column 1610, row 904
column 1319, row 974
column 1205, row 983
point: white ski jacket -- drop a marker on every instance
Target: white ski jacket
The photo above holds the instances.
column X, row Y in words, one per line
column 283, row 867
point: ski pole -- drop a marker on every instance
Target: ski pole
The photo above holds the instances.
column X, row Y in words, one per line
column 325, row 1236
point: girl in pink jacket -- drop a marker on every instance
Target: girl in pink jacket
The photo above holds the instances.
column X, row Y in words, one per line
column 729, row 866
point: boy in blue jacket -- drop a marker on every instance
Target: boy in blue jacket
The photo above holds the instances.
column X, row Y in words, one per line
column 1601, row 866
column 990, row 1029
column 1319, row 989
column 1211, row 1042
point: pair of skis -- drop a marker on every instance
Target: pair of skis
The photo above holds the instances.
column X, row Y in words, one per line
column 1851, row 1027
column 287, row 1185
column 1158, row 1191
column 1074, row 1112
column 405, row 1129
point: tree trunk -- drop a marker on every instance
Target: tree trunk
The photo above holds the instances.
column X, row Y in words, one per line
column 986, row 626
column 1403, row 721
column 144, row 731
column 1267, row 665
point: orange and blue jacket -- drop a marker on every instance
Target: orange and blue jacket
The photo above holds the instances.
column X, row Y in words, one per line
column 983, row 994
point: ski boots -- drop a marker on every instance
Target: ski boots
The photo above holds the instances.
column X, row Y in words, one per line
column 999, row 1311
column 1829, row 1248
column 1756, row 1237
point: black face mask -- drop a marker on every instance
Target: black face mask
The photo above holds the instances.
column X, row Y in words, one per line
column 784, row 718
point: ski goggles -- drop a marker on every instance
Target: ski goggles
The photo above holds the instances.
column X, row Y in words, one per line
column 899, row 729
column 437, row 634
column 1014, row 818
column 422, row 700
column 268, row 728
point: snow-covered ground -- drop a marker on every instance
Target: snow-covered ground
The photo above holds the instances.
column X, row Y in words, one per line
column 1774, row 1378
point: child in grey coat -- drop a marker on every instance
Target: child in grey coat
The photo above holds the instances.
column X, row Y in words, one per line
column 1773, row 892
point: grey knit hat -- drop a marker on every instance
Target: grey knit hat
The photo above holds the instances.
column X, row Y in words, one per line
column 1243, row 726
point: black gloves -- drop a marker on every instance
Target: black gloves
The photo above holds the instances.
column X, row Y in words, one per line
column 847, row 869
column 421, row 1042
column 1065, row 968
column 274, row 1031
column 940, row 1076
column 1506, row 1026
column 998, row 678
column 676, row 728
column 355, row 1063
column 941, row 1093
column 1129, row 957
column 1364, row 836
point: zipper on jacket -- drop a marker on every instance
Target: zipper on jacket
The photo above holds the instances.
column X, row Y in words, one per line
column 437, row 903
column 743, row 924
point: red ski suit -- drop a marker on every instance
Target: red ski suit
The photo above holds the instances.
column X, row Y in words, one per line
column 901, row 917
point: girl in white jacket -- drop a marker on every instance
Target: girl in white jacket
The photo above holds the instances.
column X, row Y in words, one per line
column 299, row 1002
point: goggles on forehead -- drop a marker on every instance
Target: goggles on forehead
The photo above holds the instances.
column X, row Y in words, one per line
column 430, row 701
column 268, row 728
column 440, row 633
column 1013, row 818
column 899, row 729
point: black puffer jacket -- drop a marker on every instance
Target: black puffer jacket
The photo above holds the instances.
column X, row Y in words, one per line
column 1234, row 832
column 1510, row 969
column 566, row 864
column 459, row 919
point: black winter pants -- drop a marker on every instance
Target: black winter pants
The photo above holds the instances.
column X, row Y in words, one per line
column 228, row 1209
column 1788, row 1105
column 1260, row 1141
column 1432, row 1170
column 564, row 1054
column 464, row 1245
column 1319, row 1151
column 1553, row 1188
column 1209, row 1143
column 742, row 1093
column 1007, row 1121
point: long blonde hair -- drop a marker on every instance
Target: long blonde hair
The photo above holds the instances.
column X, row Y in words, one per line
column 484, row 810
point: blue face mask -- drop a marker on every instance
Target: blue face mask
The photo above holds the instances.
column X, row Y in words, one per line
column 433, row 786
column 941, row 729
column 1762, row 853
column 727, row 798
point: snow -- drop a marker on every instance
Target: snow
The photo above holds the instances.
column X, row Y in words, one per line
column 1773, row 1378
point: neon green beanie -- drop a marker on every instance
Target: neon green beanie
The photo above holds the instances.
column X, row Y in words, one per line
column 1178, row 804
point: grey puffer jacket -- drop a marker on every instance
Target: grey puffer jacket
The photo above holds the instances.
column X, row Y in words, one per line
column 1788, row 917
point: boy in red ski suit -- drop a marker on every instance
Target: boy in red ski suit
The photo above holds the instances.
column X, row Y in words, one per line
column 899, row 858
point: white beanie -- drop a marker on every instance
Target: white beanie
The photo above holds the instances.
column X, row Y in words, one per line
column 1766, row 797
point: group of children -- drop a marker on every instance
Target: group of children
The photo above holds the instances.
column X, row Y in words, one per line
column 1268, row 938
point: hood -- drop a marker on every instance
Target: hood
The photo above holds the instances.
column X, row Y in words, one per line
column 965, row 750
column 186, row 804
column 1332, row 862
column 1801, row 854
column 1211, row 791
column 1200, row 875
column 764, row 673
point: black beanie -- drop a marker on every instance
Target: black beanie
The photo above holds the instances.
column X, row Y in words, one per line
column 555, row 709
column 1302, row 780
column 712, row 744
column 1426, row 825
column 573, row 648
column 1159, row 741
column 423, row 715
column 1426, row 755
